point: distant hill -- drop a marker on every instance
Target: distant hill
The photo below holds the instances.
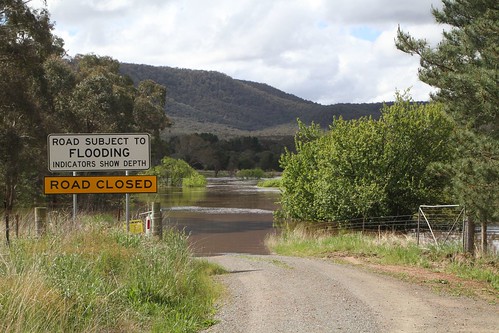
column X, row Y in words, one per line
column 208, row 101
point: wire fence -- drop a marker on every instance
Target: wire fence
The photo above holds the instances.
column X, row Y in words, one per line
column 400, row 223
column 443, row 228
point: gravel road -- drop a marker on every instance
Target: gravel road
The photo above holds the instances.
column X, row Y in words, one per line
column 286, row 294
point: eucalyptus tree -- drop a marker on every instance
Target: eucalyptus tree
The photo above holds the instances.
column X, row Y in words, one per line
column 26, row 42
column 102, row 99
column 464, row 68
column 43, row 91
column 149, row 115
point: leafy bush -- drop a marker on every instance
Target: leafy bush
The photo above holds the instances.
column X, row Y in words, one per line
column 251, row 173
column 363, row 167
column 173, row 172
column 195, row 180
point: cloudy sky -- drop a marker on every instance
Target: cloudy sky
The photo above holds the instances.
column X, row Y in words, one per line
column 326, row 51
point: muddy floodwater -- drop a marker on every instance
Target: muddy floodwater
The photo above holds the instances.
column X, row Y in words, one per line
column 232, row 216
column 228, row 216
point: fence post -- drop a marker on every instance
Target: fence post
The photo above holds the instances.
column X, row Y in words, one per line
column 40, row 220
column 469, row 236
column 156, row 220
column 17, row 226
column 7, row 229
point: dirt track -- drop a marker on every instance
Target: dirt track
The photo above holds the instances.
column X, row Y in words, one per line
column 284, row 294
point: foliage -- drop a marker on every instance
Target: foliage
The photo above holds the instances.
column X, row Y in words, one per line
column 362, row 168
column 194, row 180
column 206, row 151
column 26, row 42
column 273, row 182
column 463, row 66
column 42, row 92
column 251, row 173
column 99, row 279
column 173, row 172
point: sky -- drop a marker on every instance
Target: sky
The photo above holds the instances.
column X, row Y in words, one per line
column 325, row 51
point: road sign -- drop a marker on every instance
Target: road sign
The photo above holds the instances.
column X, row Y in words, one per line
column 98, row 184
column 98, row 152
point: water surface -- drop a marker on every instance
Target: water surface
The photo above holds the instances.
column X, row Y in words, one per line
column 229, row 216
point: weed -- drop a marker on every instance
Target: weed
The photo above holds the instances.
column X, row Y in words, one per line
column 98, row 278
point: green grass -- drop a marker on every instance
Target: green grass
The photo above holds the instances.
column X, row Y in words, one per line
column 387, row 249
column 99, row 279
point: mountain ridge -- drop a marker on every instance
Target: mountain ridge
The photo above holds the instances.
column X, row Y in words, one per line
column 213, row 102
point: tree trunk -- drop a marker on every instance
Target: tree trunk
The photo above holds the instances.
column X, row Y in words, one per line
column 484, row 238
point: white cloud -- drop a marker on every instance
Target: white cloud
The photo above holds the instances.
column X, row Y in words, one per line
column 321, row 50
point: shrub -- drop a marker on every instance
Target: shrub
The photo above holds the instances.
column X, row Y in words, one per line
column 251, row 173
column 173, row 172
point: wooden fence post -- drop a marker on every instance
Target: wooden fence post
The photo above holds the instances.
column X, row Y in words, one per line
column 469, row 236
column 17, row 226
column 7, row 238
column 156, row 220
column 40, row 220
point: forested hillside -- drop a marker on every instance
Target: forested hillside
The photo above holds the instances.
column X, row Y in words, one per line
column 208, row 101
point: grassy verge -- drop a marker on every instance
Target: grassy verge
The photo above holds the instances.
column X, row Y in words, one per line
column 387, row 249
column 99, row 279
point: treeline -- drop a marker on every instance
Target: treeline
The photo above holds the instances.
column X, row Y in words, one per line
column 42, row 91
column 206, row 151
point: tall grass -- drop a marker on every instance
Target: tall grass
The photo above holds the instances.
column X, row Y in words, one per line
column 98, row 279
column 385, row 249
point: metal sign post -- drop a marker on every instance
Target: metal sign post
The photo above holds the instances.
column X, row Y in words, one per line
column 127, row 208
column 75, row 203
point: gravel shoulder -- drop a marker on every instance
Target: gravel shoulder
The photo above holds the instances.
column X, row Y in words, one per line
column 271, row 293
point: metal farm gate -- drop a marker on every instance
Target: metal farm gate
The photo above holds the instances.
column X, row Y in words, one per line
column 441, row 224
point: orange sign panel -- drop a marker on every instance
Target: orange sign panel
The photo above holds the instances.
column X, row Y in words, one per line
column 98, row 184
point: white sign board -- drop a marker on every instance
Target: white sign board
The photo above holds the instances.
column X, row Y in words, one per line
column 98, row 152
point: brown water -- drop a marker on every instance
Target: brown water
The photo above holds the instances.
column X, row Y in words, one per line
column 229, row 216
column 232, row 216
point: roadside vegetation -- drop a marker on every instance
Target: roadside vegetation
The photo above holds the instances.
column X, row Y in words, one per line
column 96, row 278
column 386, row 249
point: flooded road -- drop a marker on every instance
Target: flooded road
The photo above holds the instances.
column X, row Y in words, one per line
column 228, row 216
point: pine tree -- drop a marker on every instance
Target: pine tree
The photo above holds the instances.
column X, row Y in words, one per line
column 464, row 68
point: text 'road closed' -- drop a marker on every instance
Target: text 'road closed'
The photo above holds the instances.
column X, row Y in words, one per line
column 95, row 184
